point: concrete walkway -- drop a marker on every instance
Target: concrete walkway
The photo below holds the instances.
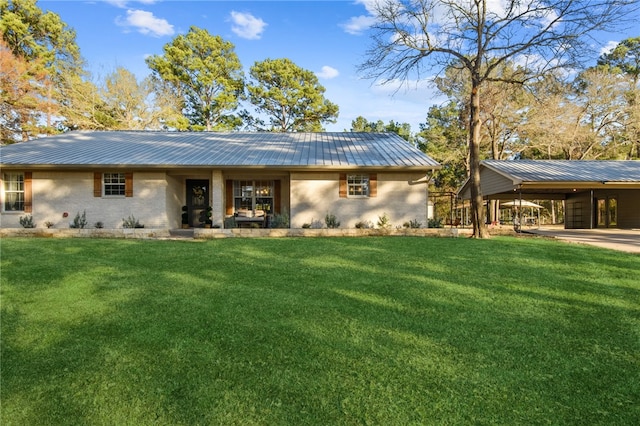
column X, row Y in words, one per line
column 627, row 240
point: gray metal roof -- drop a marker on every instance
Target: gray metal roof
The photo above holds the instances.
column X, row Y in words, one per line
column 224, row 150
column 567, row 170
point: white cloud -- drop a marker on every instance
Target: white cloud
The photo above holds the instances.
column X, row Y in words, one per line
column 247, row 26
column 327, row 72
column 358, row 24
column 123, row 3
column 118, row 3
column 607, row 48
column 146, row 23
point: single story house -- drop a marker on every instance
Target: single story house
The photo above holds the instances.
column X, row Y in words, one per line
column 112, row 175
column 597, row 193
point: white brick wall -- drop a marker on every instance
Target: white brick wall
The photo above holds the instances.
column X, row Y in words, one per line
column 313, row 195
column 158, row 198
column 57, row 193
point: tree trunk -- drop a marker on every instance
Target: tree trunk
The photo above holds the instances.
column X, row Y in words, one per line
column 477, row 205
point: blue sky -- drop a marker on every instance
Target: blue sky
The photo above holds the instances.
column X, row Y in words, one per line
column 327, row 37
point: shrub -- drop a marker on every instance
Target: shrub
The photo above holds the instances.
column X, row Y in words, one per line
column 99, row 225
column 316, row 224
column 435, row 223
column 185, row 215
column 413, row 224
column 364, row 224
column 131, row 222
column 27, row 221
column 384, row 222
column 80, row 221
column 48, row 224
column 279, row 221
column 331, row 221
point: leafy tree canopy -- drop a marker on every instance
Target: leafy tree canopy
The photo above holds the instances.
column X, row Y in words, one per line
column 290, row 96
column 624, row 58
column 361, row 124
column 49, row 46
column 205, row 71
column 33, row 34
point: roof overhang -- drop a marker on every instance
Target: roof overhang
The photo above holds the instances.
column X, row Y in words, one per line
column 70, row 167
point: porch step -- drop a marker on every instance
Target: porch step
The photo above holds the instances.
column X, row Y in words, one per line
column 181, row 233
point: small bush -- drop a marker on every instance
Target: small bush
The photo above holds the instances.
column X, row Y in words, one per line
column 230, row 222
column 413, row 224
column 80, row 221
column 48, row 224
column 131, row 222
column 279, row 221
column 364, row 224
column 434, row 223
column 316, row 224
column 384, row 222
column 331, row 221
column 99, row 225
column 27, row 221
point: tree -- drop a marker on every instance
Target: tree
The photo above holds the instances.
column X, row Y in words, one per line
column 22, row 86
column 127, row 100
column 624, row 60
column 552, row 120
column 205, row 71
column 290, row 96
column 444, row 137
column 138, row 105
column 43, row 40
column 412, row 36
column 502, row 108
column 84, row 107
column 361, row 124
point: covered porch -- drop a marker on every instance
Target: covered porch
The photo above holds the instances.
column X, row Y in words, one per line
column 228, row 199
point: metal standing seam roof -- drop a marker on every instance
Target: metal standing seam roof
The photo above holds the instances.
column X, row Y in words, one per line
column 567, row 170
column 208, row 149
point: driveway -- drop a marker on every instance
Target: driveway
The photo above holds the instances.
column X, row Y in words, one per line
column 616, row 239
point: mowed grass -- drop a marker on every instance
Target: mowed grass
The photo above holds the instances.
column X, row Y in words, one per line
column 335, row 331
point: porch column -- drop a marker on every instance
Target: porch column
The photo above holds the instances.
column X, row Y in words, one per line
column 217, row 198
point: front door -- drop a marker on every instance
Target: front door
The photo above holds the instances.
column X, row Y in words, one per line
column 607, row 212
column 197, row 201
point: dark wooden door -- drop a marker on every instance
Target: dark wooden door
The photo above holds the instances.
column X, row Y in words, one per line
column 197, row 201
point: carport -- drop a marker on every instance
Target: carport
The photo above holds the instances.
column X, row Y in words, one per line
column 596, row 194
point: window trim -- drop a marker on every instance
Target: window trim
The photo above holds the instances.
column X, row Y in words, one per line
column 99, row 185
column 343, row 187
column 230, row 199
column 27, row 194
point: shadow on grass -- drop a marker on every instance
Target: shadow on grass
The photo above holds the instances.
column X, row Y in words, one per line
column 322, row 331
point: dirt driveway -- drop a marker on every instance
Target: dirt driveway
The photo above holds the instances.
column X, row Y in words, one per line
column 627, row 240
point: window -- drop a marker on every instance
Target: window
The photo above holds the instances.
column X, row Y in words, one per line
column 358, row 185
column 14, row 189
column 253, row 195
column 114, row 184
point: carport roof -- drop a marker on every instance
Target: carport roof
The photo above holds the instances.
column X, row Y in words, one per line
column 601, row 171
column 535, row 177
column 221, row 150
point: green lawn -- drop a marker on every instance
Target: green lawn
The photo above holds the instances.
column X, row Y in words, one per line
column 326, row 331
